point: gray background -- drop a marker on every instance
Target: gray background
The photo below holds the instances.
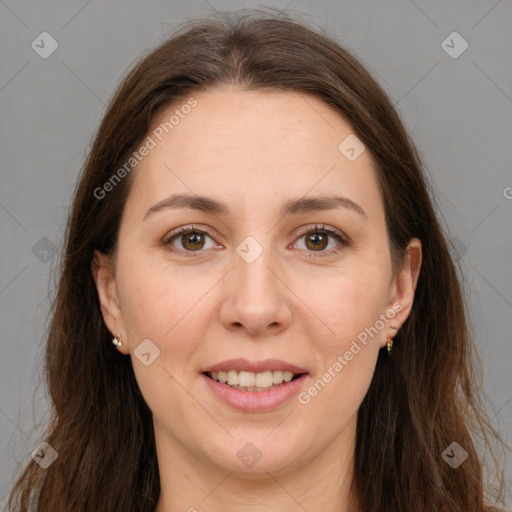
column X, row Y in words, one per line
column 458, row 110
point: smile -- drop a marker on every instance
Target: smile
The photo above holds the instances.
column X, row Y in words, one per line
column 255, row 398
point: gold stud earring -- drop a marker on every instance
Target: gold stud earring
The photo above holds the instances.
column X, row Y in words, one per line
column 390, row 344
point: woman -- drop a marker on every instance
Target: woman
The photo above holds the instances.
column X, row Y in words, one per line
column 257, row 307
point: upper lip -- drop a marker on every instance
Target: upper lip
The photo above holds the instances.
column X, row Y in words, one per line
column 255, row 366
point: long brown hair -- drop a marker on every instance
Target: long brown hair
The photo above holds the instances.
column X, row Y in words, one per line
column 423, row 398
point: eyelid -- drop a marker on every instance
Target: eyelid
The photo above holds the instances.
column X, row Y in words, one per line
column 322, row 227
column 185, row 229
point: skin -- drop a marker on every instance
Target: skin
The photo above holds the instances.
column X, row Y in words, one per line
column 253, row 151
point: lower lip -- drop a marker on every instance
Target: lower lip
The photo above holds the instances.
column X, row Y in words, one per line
column 256, row 401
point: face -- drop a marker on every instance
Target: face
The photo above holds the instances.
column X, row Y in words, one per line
column 268, row 274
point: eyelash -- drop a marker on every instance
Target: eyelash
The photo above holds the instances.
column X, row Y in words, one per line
column 342, row 239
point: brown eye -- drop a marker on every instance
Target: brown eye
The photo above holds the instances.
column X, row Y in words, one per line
column 317, row 241
column 189, row 240
column 192, row 241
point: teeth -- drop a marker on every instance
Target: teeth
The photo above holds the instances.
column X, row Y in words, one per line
column 233, row 378
column 278, row 377
column 249, row 380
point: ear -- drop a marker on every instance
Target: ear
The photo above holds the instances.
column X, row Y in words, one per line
column 103, row 272
column 403, row 288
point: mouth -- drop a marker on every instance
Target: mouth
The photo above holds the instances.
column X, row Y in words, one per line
column 250, row 385
column 251, row 381
column 254, row 397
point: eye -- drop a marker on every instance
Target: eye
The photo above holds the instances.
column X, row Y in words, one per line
column 190, row 238
column 193, row 240
column 317, row 240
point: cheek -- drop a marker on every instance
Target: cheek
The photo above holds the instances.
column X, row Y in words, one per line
column 347, row 358
column 336, row 392
column 155, row 302
column 340, row 398
column 346, row 304
column 351, row 305
column 157, row 306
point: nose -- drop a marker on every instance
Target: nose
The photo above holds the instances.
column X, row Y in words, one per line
column 255, row 297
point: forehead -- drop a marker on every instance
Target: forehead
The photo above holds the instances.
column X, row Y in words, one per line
column 254, row 146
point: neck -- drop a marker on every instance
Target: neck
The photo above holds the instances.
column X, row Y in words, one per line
column 320, row 483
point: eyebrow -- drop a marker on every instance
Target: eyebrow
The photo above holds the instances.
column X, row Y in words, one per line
column 290, row 207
